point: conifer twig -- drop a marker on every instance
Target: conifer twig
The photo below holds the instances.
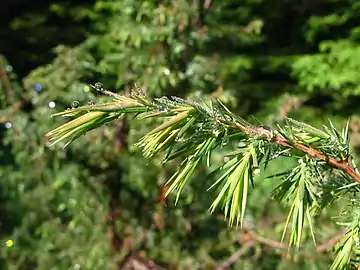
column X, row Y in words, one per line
column 279, row 139
column 192, row 131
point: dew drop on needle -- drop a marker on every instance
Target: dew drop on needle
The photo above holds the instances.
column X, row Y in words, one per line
column 75, row 104
column 99, row 86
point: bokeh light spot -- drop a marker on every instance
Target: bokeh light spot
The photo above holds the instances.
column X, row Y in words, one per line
column 52, row 104
column 37, row 87
column 9, row 243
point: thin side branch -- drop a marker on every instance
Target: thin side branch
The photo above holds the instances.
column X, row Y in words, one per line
column 254, row 236
column 231, row 260
column 275, row 244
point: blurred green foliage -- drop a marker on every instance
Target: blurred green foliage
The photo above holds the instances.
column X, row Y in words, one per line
column 86, row 206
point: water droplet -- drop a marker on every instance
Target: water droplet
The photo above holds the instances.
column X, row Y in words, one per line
column 8, row 125
column 52, row 104
column 161, row 108
column 99, row 86
column 90, row 103
column 228, row 118
column 256, row 170
column 226, row 159
column 75, row 104
column 38, row 87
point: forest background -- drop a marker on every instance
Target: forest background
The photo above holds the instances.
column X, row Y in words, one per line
column 89, row 205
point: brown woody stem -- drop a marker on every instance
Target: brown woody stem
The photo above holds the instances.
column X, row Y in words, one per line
column 342, row 165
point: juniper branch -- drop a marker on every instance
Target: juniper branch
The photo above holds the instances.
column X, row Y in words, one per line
column 193, row 130
column 245, row 127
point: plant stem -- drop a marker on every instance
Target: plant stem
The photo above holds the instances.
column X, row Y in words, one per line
column 279, row 139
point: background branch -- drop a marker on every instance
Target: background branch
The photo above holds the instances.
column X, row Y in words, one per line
column 252, row 236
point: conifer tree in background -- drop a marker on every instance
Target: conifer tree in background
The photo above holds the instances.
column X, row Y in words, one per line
column 110, row 194
column 86, row 206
